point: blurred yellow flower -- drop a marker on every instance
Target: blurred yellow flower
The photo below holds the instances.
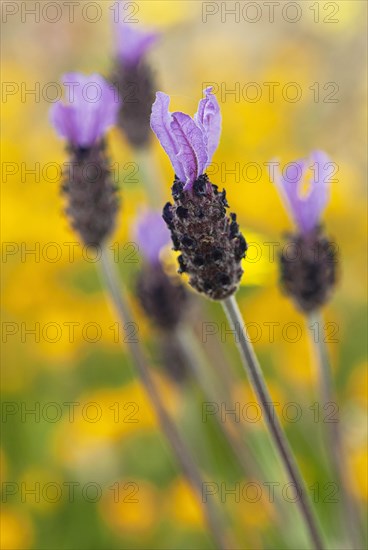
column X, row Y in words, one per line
column 359, row 467
column 16, row 530
column 100, row 419
column 183, row 506
column 131, row 507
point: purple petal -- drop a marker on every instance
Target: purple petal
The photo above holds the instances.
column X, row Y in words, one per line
column 208, row 117
column 161, row 120
column 192, row 148
column 132, row 43
column 189, row 143
column 91, row 108
column 152, row 235
column 60, row 119
column 306, row 210
column 317, row 198
column 323, row 178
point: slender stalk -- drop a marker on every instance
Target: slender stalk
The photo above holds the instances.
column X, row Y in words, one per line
column 179, row 447
column 253, row 370
column 335, row 445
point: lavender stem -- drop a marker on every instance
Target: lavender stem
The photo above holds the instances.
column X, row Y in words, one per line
column 254, row 372
column 335, row 445
column 179, row 447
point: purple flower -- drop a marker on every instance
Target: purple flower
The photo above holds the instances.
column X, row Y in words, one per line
column 305, row 210
column 91, row 108
column 152, row 235
column 189, row 142
column 132, row 43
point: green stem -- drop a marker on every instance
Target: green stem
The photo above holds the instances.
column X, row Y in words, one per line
column 335, row 445
column 179, row 447
column 254, row 372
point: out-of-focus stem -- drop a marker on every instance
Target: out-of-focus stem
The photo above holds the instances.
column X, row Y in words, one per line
column 335, row 445
column 178, row 446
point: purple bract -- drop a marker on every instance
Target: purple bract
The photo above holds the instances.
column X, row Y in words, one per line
column 305, row 210
column 91, row 108
column 132, row 42
column 189, row 142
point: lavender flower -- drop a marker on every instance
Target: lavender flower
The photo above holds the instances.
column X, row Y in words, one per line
column 309, row 261
column 83, row 122
column 306, row 210
column 163, row 299
column 133, row 79
column 90, row 111
column 211, row 244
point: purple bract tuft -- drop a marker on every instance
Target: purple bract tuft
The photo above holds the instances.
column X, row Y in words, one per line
column 305, row 210
column 91, row 108
column 189, row 142
column 132, row 42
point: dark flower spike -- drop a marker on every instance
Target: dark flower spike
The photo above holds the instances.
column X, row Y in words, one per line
column 133, row 80
column 308, row 265
column 164, row 300
column 92, row 201
column 210, row 242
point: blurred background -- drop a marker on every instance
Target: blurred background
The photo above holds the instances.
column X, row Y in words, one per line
column 89, row 468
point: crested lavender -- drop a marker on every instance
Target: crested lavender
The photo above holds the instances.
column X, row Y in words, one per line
column 308, row 266
column 209, row 240
column 308, row 275
column 163, row 299
column 134, row 81
column 83, row 123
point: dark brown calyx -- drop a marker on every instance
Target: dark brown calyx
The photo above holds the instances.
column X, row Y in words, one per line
column 91, row 194
column 309, row 269
column 209, row 240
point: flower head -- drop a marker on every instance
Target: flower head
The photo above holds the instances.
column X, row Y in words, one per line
column 189, row 142
column 211, row 244
column 308, row 265
column 91, row 109
column 305, row 210
column 152, row 235
column 132, row 43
